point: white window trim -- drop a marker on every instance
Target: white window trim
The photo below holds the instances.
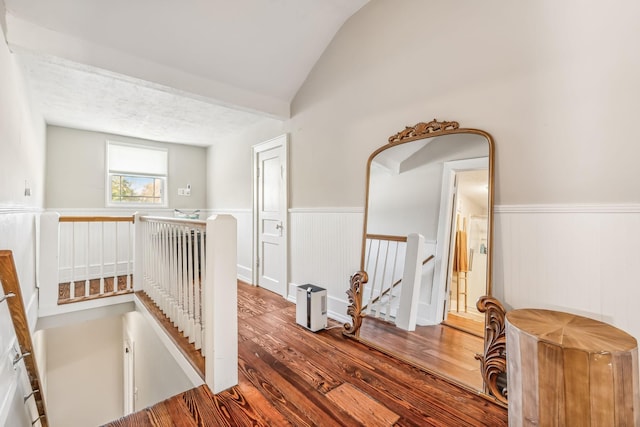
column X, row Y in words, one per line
column 108, row 173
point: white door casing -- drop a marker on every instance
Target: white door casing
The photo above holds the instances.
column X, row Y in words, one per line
column 438, row 302
column 270, row 214
column 129, row 377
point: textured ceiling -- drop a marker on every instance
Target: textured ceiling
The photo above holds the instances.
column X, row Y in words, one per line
column 77, row 96
column 193, row 71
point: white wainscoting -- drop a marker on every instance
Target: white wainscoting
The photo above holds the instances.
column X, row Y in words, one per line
column 17, row 234
column 324, row 250
column 574, row 258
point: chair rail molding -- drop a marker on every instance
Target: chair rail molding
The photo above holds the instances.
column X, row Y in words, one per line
column 568, row 208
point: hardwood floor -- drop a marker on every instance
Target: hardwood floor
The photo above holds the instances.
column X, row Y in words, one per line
column 439, row 348
column 291, row 376
column 473, row 324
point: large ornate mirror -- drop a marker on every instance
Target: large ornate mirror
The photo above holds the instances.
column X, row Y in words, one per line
column 426, row 252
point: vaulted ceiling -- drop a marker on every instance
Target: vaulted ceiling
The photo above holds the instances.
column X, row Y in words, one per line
column 188, row 71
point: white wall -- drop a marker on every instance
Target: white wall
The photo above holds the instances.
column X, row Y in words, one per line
column 229, row 187
column 85, row 373
column 76, row 170
column 405, row 203
column 525, row 72
column 22, row 151
column 229, row 167
column 157, row 375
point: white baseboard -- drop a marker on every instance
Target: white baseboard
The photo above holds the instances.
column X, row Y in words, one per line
column 245, row 274
column 337, row 309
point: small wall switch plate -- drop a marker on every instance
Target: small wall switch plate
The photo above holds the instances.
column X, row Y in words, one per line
column 187, row 191
column 180, row 191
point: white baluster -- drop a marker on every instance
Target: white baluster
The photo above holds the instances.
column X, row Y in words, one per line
column 102, row 258
column 184, row 292
column 87, row 260
column 191, row 284
column 374, row 279
column 115, row 261
column 199, row 256
column 391, row 290
column 129, row 252
column 72, row 284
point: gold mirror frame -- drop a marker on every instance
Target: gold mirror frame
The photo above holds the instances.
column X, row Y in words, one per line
column 493, row 360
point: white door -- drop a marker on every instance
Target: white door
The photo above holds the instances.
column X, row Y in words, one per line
column 270, row 215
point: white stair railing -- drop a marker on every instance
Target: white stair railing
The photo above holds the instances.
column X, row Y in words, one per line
column 174, row 269
column 82, row 258
column 394, row 266
column 95, row 248
column 189, row 269
column 384, row 261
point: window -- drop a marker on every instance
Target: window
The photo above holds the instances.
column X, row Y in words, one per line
column 137, row 175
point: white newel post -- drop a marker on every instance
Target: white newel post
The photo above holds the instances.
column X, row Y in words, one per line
column 221, row 303
column 48, row 261
column 411, row 278
column 138, row 252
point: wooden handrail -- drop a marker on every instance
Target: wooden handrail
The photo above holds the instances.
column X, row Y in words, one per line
column 386, row 237
column 396, row 283
column 97, row 219
column 11, row 284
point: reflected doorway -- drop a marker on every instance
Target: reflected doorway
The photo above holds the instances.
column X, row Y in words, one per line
column 466, row 277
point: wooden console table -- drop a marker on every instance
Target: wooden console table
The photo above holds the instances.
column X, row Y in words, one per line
column 568, row 370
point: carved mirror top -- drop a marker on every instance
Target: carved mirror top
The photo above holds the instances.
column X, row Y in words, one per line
column 422, row 130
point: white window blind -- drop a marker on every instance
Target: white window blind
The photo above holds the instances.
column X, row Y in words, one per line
column 136, row 160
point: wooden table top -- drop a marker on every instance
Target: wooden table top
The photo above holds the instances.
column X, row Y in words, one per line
column 571, row 331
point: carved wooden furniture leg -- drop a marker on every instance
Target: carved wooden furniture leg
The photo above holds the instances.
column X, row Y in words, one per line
column 354, row 310
column 493, row 363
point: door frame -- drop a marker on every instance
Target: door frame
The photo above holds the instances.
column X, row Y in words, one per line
column 283, row 141
column 128, row 349
column 448, row 205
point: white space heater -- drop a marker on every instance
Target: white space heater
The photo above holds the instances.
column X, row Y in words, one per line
column 311, row 307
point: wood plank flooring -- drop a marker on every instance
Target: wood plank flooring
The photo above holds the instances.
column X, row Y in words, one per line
column 290, row 376
column 438, row 348
column 473, row 324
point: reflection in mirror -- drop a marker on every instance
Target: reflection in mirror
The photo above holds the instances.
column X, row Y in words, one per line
column 426, row 250
column 467, row 277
